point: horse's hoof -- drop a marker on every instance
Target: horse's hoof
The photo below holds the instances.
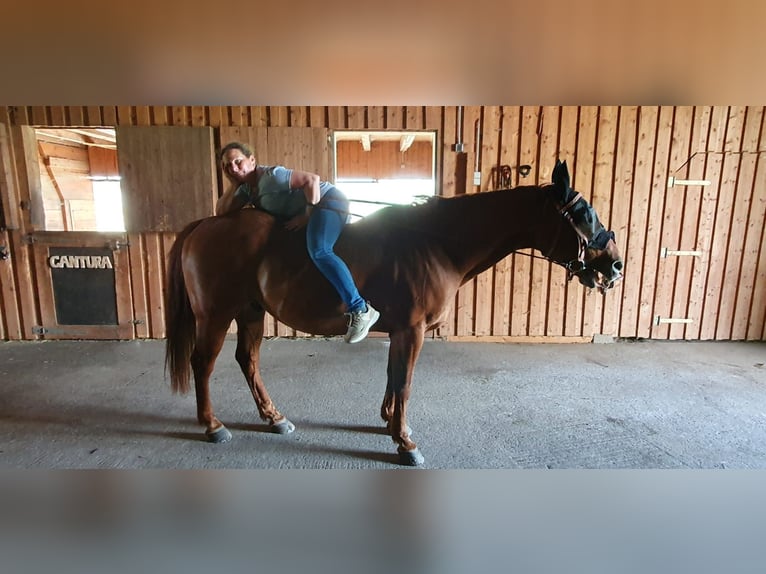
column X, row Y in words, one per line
column 283, row 427
column 218, row 436
column 411, row 457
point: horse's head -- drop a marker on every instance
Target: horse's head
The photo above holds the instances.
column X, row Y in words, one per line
column 597, row 262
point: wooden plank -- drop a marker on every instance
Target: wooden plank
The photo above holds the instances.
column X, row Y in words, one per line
column 756, row 248
column 159, row 115
column 581, row 175
column 414, row 117
column 376, row 117
column 25, row 154
column 143, row 116
column 600, row 199
column 154, row 285
column 109, row 115
column 620, row 207
column 26, row 297
column 318, row 117
column 259, row 116
column 123, row 294
column 571, row 320
column 722, row 224
column 40, row 116
column 752, row 223
column 395, row 117
column 76, row 116
column 10, row 312
column 521, row 263
column 215, row 116
column 279, row 116
column 138, row 260
column 178, row 116
column 447, row 190
column 299, row 116
column 43, row 280
column 540, row 295
column 239, row 116
column 751, row 299
column 93, row 116
column 435, row 123
column 490, row 144
column 711, row 142
column 336, row 117
column 635, row 247
column 738, row 173
column 674, row 273
column 467, row 303
column 666, row 213
column 508, row 154
column 57, row 115
column 357, row 117
column 124, row 115
column 198, row 117
column 522, row 340
column 9, row 188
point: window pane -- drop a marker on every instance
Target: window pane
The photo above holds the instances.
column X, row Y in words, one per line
column 107, row 199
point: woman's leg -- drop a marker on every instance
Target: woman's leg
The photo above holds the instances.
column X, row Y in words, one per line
column 323, row 230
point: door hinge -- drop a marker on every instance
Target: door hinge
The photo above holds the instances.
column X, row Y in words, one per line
column 137, row 321
column 39, row 330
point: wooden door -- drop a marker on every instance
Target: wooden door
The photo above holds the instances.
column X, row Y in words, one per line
column 83, row 285
column 167, row 176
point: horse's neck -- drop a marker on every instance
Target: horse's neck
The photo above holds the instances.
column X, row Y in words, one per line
column 486, row 227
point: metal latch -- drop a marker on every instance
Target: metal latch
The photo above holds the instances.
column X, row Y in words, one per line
column 667, row 320
column 117, row 244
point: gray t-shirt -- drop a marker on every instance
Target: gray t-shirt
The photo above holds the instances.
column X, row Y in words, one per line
column 274, row 193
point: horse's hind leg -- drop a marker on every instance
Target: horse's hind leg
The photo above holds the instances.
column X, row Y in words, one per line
column 208, row 343
column 402, row 356
column 248, row 354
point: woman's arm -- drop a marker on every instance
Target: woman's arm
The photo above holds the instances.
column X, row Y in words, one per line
column 229, row 201
column 310, row 184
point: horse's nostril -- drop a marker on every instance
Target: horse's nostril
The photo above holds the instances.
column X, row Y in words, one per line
column 617, row 266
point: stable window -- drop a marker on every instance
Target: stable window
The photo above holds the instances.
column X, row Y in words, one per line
column 375, row 169
column 79, row 179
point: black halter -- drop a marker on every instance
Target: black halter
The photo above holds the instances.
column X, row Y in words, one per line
column 582, row 218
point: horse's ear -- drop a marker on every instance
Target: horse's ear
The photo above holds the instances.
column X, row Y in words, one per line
column 561, row 178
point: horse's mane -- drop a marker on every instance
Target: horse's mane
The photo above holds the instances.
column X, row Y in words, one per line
column 438, row 213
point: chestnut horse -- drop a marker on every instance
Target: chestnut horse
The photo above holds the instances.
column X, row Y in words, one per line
column 408, row 261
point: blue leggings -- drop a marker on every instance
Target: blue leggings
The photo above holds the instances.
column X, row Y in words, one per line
column 324, row 227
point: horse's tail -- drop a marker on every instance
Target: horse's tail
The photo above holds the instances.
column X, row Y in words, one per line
column 180, row 324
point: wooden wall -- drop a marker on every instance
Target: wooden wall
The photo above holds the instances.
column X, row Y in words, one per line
column 620, row 157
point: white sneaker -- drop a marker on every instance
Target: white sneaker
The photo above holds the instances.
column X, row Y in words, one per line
column 359, row 324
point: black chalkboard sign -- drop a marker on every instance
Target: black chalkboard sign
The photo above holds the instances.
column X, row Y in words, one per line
column 83, row 285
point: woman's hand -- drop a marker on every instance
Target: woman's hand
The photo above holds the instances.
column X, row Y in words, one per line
column 297, row 222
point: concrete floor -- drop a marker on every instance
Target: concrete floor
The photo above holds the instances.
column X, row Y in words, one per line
column 636, row 405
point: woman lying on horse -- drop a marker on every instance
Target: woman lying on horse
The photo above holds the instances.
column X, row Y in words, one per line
column 300, row 198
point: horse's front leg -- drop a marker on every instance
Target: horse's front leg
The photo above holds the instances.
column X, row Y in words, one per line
column 248, row 353
column 402, row 356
